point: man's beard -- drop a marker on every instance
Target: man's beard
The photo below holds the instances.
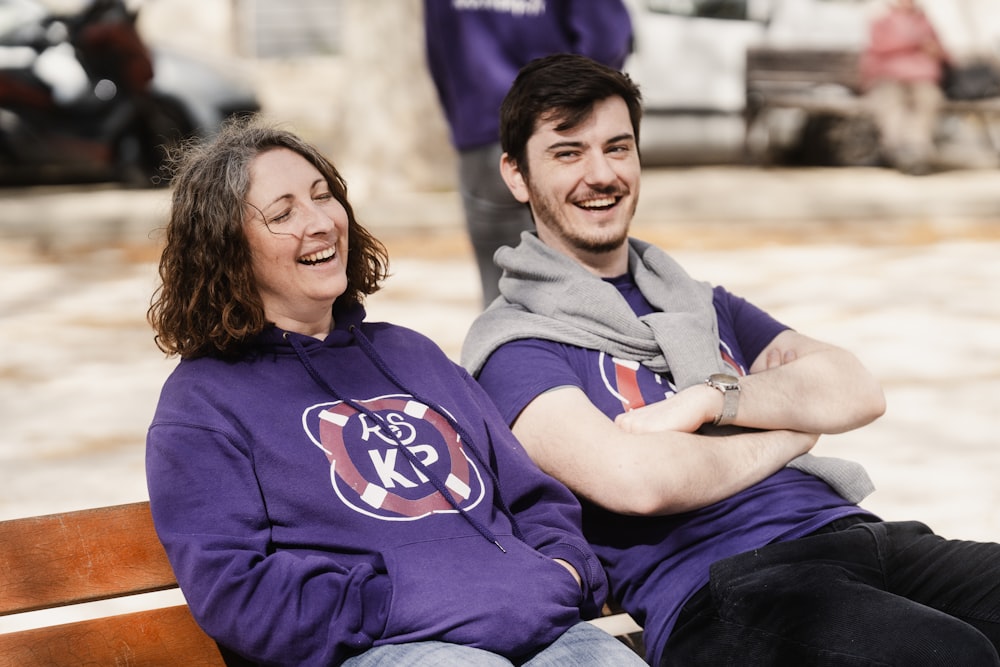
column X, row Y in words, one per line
column 599, row 247
column 591, row 244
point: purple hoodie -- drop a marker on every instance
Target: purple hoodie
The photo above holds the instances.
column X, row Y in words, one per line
column 476, row 47
column 317, row 498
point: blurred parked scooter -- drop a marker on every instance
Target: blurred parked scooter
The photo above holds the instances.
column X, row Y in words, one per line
column 75, row 100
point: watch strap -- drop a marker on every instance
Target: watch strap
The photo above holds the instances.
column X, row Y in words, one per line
column 729, row 385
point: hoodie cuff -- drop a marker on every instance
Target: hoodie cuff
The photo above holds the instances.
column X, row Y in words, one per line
column 593, row 580
column 377, row 596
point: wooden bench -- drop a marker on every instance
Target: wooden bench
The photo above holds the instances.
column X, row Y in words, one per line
column 98, row 554
column 824, row 83
column 79, row 557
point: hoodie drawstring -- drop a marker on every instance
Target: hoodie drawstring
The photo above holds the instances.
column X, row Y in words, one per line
column 373, row 355
column 410, row 456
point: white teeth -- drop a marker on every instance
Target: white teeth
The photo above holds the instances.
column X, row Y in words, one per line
column 318, row 256
column 598, row 203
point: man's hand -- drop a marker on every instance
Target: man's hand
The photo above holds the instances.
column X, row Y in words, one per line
column 802, row 384
column 685, row 411
column 796, row 383
column 776, row 357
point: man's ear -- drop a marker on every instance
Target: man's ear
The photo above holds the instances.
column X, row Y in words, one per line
column 514, row 179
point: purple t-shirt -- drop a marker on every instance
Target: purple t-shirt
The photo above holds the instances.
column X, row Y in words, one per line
column 655, row 564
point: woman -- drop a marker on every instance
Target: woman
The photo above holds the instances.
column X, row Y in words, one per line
column 331, row 490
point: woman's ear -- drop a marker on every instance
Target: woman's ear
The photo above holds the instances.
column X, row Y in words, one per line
column 514, row 179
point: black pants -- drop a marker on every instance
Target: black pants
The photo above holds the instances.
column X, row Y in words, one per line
column 855, row 593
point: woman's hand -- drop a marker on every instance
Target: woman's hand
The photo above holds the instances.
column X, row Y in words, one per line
column 572, row 570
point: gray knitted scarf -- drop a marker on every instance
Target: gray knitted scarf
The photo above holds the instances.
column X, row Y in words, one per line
column 546, row 295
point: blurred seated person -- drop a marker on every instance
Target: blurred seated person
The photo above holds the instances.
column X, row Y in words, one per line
column 901, row 72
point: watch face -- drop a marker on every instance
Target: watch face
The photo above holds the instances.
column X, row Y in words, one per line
column 724, row 381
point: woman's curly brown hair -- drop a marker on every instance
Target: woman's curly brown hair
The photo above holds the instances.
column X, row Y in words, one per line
column 208, row 302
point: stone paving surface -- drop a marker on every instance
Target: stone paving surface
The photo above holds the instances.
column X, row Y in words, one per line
column 902, row 271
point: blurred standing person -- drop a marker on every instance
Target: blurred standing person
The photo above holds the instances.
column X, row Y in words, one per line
column 901, row 71
column 474, row 50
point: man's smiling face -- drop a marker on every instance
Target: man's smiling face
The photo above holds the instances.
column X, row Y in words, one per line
column 583, row 184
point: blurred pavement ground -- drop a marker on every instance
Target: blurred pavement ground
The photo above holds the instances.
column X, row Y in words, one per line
column 743, row 200
column 901, row 270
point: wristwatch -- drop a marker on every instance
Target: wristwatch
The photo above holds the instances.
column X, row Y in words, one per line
column 729, row 385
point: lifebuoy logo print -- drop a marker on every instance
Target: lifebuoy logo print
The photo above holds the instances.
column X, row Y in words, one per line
column 635, row 386
column 372, row 476
column 632, row 384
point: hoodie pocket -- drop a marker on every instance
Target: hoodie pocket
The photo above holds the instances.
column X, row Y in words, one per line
column 467, row 591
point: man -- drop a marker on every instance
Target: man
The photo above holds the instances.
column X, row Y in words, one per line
column 474, row 51
column 683, row 417
column 901, row 70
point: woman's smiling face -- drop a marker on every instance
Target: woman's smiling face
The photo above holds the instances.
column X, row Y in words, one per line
column 297, row 232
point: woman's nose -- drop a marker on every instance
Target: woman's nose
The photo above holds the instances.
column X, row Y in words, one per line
column 317, row 220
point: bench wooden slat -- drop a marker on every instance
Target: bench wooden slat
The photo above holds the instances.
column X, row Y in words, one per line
column 842, row 105
column 617, row 624
column 167, row 636
column 806, row 66
column 82, row 556
column 989, row 105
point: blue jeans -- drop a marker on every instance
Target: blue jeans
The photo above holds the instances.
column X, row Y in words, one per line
column 583, row 645
column 868, row 593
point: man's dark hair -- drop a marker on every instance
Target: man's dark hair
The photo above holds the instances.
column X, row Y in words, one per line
column 564, row 88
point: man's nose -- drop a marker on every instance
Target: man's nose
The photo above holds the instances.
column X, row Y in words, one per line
column 600, row 170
